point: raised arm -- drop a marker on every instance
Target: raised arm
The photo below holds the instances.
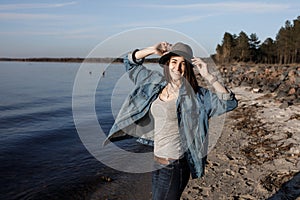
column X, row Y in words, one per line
column 202, row 67
column 134, row 60
column 216, row 103
column 158, row 49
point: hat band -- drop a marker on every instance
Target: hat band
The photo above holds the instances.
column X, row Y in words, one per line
column 183, row 54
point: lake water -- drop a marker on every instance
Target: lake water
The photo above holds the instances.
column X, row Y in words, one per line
column 41, row 154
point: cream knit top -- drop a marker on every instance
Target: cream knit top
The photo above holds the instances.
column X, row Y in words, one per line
column 167, row 143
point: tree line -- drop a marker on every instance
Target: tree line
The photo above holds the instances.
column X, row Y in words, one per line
column 285, row 49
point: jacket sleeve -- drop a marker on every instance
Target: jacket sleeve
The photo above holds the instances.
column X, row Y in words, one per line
column 137, row 72
column 218, row 103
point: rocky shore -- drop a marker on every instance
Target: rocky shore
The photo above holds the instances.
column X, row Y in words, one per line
column 258, row 153
column 281, row 81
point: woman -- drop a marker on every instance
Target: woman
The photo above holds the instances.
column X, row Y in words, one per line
column 177, row 108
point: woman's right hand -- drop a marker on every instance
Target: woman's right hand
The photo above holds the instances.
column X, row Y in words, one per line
column 162, row 48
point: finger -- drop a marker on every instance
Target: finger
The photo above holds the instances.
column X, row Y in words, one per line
column 197, row 64
column 168, row 47
column 164, row 46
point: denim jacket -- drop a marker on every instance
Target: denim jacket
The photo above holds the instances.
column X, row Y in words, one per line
column 193, row 113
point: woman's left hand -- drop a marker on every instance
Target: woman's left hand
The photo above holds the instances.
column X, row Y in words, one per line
column 202, row 67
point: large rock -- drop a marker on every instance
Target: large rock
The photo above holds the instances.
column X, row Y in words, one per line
column 283, row 81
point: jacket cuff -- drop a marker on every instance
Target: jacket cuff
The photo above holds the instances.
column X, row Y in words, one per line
column 226, row 96
column 132, row 59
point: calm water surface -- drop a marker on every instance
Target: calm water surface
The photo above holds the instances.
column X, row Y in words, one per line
column 41, row 154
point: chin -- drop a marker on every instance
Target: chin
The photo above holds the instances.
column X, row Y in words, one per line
column 176, row 78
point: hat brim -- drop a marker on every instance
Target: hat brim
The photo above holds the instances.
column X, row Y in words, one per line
column 168, row 55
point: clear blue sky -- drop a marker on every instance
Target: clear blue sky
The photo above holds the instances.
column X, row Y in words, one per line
column 60, row 28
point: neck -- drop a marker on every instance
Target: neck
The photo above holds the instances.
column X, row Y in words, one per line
column 175, row 83
column 172, row 90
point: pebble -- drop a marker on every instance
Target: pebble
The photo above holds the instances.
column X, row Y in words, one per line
column 106, row 178
column 230, row 172
column 246, row 197
column 285, row 105
column 242, row 170
column 294, row 150
column 230, row 157
column 257, row 90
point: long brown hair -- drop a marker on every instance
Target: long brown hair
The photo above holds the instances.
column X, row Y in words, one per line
column 188, row 75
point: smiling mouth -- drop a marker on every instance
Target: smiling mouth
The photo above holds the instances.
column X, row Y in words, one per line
column 176, row 73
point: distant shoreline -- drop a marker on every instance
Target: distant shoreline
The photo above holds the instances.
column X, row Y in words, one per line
column 120, row 60
column 71, row 60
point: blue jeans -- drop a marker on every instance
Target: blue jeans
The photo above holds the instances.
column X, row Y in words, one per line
column 169, row 181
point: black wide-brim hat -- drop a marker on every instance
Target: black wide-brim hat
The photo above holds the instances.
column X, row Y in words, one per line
column 178, row 49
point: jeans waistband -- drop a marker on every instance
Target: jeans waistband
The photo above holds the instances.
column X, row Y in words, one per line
column 167, row 161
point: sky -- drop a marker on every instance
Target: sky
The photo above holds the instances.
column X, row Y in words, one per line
column 66, row 28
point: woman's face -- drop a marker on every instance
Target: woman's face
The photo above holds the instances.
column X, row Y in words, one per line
column 176, row 67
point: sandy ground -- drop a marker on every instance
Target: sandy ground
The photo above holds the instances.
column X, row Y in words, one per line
column 258, row 151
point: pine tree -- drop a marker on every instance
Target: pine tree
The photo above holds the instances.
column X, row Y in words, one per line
column 268, row 51
column 243, row 47
column 296, row 35
column 285, row 49
column 226, row 48
column 254, row 47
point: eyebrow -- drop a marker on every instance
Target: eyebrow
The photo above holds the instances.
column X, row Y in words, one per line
column 176, row 59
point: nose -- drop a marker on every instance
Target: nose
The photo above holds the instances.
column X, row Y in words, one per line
column 178, row 67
